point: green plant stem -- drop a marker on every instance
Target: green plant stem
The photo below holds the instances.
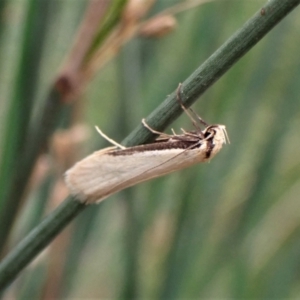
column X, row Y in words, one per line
column 38, row 239
column 3, row 4
column 37, row 142
column 17, row 164
column 20, row 110
column 113, row 17
column 214, row 67
column 129, row 83
column 211, row 70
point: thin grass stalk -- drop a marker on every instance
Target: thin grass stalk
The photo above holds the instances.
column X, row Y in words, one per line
column 268, row 159
column 249, row 107
column 128, row 75
column 70, row 76
column 40, row 205
column 31, row 286
column 39, row 238
column 22, row 102
column 211, row 70
column 3, row 4
column 170, row 284
column 214, row 67
column 36, row 143
column 250, row 214
column 129, row 288
column 108, row 25
column 127, row 98
column 30, row 289
column 57, row 256
column 80, row 236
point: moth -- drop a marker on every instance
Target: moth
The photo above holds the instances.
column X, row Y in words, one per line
column 113, row 169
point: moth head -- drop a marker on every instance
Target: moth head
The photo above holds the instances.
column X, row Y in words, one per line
column 217, row 132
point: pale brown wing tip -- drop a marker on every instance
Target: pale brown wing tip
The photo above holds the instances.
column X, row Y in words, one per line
column 78, row 178
column 76, row 193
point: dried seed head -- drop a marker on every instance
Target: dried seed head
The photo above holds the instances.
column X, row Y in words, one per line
column 158, row 26
column 136, row 9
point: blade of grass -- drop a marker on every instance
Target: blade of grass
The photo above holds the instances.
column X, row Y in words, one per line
column 260, row 79
column 171, row 282
column 17, row 168
column 108, row 24
column 80, row 236
column 129, row 70
column 20, row 111
column 39, row 237
column 128, row 76
column 268, row 160
column 3, row 4
column 214, row 67
column 37, row 142
column 211, row 70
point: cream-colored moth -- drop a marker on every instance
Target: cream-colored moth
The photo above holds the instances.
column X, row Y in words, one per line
column 113, row 169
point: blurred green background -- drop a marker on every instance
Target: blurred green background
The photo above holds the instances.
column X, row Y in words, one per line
column 228, row 229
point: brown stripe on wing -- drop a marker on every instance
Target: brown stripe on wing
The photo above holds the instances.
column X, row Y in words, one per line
column 168, row 145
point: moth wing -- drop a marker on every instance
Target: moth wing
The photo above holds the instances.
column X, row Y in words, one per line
column 102, row 173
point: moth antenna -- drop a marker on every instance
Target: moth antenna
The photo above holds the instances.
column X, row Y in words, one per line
column 109, row 139
column 154, row 131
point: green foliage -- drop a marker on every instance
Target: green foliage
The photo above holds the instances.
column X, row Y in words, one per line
column 225, row 229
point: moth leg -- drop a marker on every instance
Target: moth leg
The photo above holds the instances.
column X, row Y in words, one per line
column 109, row 139
column 199, row 118
column 187, row 136
column 178, row 94
column 190, row 109
column 154, row 131
column 184, row 132
column 191, row 135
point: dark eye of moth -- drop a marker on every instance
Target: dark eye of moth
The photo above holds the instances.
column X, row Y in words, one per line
column 209, row 133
